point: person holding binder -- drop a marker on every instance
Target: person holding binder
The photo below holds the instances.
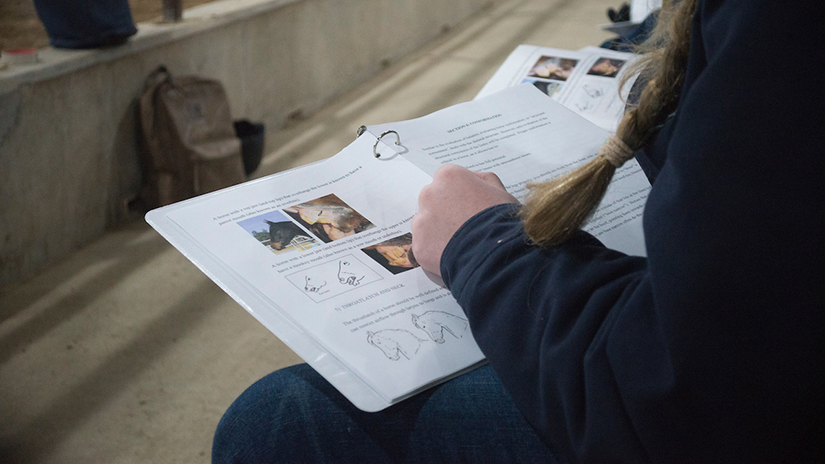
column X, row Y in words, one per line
column 710, row 349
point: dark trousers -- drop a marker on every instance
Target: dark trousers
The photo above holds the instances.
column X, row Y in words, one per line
column 294, row 415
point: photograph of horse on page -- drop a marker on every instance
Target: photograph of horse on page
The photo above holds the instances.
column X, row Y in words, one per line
column 277, row 232
column 329, row 218
column 606, row 67
column 395, row 254
column 549, row 88
column 553, row 67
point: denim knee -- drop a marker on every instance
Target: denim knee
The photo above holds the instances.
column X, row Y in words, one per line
column 251, row 430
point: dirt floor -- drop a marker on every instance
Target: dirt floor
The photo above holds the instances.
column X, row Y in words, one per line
column 20, row 27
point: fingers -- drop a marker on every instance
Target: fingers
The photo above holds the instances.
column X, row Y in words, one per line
column 490, row 178
column 454, row 196
column 454, row 172
column 415, row 227
column 454, row 183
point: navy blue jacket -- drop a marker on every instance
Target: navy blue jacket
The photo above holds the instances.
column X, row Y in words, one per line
column 713, row 347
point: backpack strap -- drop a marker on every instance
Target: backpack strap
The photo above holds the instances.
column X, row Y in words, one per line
column 147, row 112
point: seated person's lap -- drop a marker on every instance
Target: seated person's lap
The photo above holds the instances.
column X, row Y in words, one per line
column 294, row 415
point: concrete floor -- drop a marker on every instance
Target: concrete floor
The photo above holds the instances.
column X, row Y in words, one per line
column 125, row 353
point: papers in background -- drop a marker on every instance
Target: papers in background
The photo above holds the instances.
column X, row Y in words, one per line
column 585, row 81
column 639, row 10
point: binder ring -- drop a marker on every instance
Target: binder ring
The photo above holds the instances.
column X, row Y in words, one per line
column 375, row 146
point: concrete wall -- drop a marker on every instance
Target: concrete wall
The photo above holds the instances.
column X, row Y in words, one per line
column 68, row 162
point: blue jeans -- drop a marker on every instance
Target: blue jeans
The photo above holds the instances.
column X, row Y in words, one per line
column 294, row 415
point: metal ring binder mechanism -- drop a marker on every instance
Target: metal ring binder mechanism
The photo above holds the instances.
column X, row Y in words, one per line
column 375, row 145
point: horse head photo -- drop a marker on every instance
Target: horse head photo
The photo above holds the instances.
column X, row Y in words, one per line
column 329, row 218
column 282, row 233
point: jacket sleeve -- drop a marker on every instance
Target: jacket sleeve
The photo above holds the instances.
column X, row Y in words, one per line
column 711, row 348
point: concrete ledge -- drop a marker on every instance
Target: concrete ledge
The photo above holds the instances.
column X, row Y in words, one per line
column 55, row 62
column 68, row 162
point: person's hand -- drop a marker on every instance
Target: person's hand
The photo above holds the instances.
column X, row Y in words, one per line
column 455, row 195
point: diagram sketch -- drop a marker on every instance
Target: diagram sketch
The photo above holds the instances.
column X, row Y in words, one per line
column 346, row 276
column 332, row 278
column 435, row 323
column 593, row 92
column 583, row 106
column 311, row 286
column 594, row 99
column 395, row 343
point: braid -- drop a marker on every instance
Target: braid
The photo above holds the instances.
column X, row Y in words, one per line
column 664, row 63
column 556, row 209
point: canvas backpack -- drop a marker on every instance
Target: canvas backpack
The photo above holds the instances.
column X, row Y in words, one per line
column 189, row 146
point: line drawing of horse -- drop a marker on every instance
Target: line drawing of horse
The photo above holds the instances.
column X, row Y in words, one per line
column 345, row 276
column 310, row 286
column 395, row 343
column 435, row 323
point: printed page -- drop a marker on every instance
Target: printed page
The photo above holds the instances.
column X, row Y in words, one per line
column 639, row 9
column 330, row 248
column 523, row 136
column 585, row 81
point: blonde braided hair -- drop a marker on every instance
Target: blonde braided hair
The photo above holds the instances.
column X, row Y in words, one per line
column 556, row 209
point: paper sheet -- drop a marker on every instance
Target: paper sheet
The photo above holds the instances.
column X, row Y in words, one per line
column 585, row 81
column 523, row 136
column 321, row 254
column 355, row 292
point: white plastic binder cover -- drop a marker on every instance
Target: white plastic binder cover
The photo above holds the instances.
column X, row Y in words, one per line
column 333, row 370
